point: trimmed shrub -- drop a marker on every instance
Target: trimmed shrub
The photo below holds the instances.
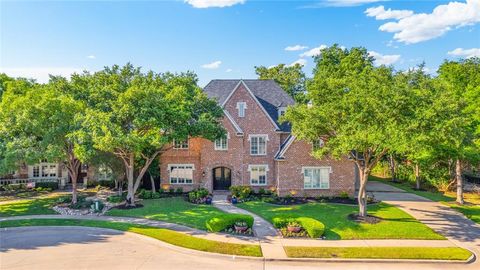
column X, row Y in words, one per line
column 313, row 227
column 225, row 221
column 44, row 185
column 241, row 192
column 179, row 190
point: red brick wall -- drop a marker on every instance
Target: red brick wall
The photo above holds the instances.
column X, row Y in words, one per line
column 254, row 122
column 342, row 176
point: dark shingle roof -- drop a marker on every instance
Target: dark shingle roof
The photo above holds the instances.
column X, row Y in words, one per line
column 268, row 92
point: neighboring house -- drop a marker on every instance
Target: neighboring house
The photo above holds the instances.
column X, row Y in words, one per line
column 257, row 151
column 45, row 171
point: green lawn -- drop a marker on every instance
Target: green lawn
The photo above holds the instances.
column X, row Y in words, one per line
column 175, row 210
column 37, row 206
column 471, row 210
column 426, row 253
column 169, row 236
column 396, row 224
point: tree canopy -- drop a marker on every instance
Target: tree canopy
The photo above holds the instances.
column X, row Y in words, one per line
column 291, row 78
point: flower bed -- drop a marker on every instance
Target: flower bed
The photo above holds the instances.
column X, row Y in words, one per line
column 299, row 226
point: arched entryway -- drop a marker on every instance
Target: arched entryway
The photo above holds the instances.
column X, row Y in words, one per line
column 222, row 178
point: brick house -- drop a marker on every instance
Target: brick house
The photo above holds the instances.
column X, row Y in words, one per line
column 257, row 151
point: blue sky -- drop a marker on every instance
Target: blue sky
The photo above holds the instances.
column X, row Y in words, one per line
column 62, row 37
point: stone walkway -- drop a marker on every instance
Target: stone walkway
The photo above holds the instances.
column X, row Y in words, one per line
column 441, row 218
column 270, row 242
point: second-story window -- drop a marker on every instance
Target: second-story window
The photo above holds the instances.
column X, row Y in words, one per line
column 241, row 107
column 281, row 111
column 258, row 145
column 221, row 144
column 180, row 144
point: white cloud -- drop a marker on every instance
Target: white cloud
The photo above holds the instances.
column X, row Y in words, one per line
column 91, row 56
column 467, row 53
column 41, row 74
column 348, row 3
column 314, row 51
column 213, row 65
column 425, row 26
column 213, row 3
column 381, row 59
column 296, row 48
column 302, row 62
column 381, row 14
column 229, row 70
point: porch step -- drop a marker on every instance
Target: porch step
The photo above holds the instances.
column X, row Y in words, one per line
column 221, row 193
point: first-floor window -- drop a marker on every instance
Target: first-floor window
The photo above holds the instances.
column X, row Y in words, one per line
column 181, row 174
column 36, row 171
column 45, row 170
column 316, row 177
column 258, row 175
column 53, row 171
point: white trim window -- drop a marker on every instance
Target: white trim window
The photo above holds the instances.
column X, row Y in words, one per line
column 258, row 175
column 177, row 144
column 221, row 144
column 316, row 177
column 258, row 145
column 241, row 107
column 36, row 171
column 281, row 111
column 181, row 173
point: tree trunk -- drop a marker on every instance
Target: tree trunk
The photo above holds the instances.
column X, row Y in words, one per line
column 417, row 175
column 392, row 168
column 74, row 177
column 130, row 201
column 362, row 194
column 152, row 181
column 458, row 175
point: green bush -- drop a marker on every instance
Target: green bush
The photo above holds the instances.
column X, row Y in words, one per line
column 115, row 199
column 92, row 183
column 107, row 183
column 225, row 221
column 313, row 227
column 179, row 190
column 15, row 187
column 198, row 195
column 343, row 195
column 241, row 192
column 44, row 185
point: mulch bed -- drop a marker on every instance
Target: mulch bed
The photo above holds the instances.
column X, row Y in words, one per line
column 368, row 219
column 287, row 201
column 349, row 201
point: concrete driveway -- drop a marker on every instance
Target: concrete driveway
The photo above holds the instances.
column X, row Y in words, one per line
column 93, row 248
column 441, row 218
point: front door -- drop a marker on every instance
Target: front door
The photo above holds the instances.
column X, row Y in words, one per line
column 222, row 178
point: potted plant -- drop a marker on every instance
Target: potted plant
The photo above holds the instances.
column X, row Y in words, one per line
column 234, row 200
column 240, row 226
column 294, row 226
column 208, row 199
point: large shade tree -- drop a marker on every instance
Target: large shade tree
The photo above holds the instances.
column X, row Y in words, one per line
column 39, row 122
column 354, row 107
column 143, row 114
column 456, row 105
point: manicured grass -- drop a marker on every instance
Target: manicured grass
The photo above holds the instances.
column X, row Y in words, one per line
column 471, row 209
column 395, row 223
column 426, row 253
column 37, row 206
column 169, row 236
column 175, row 210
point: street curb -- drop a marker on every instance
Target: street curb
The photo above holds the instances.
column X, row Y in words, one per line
column 238, row 257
